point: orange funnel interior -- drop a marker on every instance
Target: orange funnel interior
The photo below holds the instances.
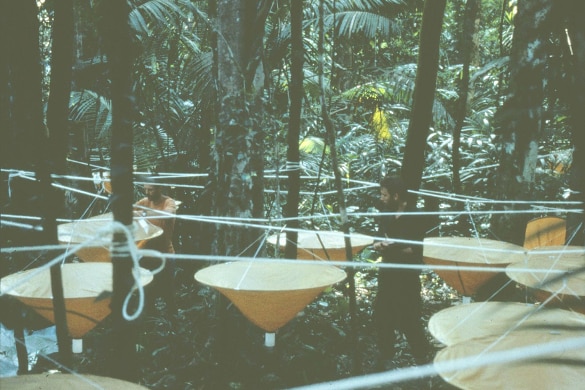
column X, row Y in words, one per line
column 82, row 284
column 469, row 252
column 270, row 294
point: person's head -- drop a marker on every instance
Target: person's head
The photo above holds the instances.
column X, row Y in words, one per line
column 393, row 192
column 152, row 191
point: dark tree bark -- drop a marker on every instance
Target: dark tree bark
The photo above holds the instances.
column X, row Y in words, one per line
column 22, row 128
column 468, row 49
column 520, row 118
column 424, row 94
column 21, row 125
column 233, row 141
column 120, row 51
column 54, row 155
column 294, row 126
column 238, row 167
column 60, row 86
column 331, row 141
column 505, row 8
column 576, row 30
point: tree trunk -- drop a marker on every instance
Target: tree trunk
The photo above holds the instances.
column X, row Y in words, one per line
column 520, row 117
column 294, row 126
column 120, row 52
column 21, row 110
column 424, row 94
column 237, row 165
column 54, row 156
column 468, row 49
column 21, row 127
column 60, row 87
column 237, row 168
column 576, row 30
column 331, row 140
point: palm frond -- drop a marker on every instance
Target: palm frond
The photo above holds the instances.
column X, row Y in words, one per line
column 369, row 24
column 93, row 111
column 155, row 14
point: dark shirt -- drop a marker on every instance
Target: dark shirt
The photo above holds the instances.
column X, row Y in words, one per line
column 408, row 227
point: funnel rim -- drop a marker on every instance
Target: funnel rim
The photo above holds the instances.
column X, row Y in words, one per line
column 335, row 274
column 69, row 270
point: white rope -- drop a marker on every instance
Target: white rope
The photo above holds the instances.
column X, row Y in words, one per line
column 125, row 249
column 19, row 225
column 475, row 199
column 367, row 381
column 262, row 223
column 338, row 263
column 527, row 353
column 263, row 238
column 291, row 166
column 355, row 382
column 505, row 334
column 86, row 164
column 294, row 166
column 366, row 185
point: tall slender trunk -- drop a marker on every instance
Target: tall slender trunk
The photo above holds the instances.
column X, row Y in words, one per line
column 576, row 33
column 294, row 126
column 120, row 52
column 424, row 94
column 22, row 129
column 54, row 155
column 21, row 123
column 520, row 118
column 468, row 48
column 237, row 158
column 237, row 167
column 331, row 141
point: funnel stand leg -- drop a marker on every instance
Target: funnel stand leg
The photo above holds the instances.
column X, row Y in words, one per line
column 269, row 340
column 77, row 345
column 20, row 346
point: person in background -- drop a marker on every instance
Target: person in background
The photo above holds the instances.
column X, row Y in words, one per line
column 155, row 204
column 163, row 207
column 398, row 303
